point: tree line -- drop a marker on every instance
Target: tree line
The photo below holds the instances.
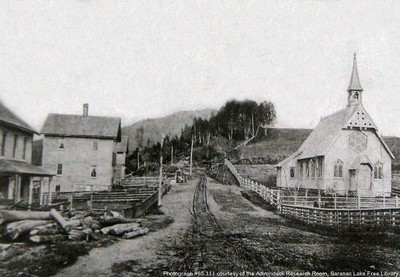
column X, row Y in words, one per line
column 235, row 121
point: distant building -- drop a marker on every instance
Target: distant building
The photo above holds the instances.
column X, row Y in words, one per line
column 122, row 151
column 344, row 154
column 81, row 149
column 19, row 179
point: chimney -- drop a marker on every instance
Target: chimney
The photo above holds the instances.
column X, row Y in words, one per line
column 85, row 109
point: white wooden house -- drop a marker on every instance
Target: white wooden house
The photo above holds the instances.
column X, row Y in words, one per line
column 81, row 149
column 344, row 154
column 19, row 179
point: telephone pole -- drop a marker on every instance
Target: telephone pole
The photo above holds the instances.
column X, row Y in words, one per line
column 191, row 158
column 161, row 175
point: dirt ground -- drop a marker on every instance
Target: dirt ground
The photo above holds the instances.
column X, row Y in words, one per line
column 252, row 239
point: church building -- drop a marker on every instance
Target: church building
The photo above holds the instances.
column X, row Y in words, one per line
column 344, row 154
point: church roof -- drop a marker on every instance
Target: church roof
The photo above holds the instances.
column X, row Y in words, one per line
column 354, row 80
column 327, row 131
column 68, row 125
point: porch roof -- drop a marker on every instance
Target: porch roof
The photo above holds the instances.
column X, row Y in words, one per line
column 19, row 167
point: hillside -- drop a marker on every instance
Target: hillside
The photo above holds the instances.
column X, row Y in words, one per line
column 278, row 144
column 170, row 125
column 281, row 143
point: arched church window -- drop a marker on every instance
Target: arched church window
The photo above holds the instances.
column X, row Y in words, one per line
column 356, row 95
column 319, row 167
column 378, row 170
column 338, row 170
column 312, row 168
column 307, row 168
column 301, row 169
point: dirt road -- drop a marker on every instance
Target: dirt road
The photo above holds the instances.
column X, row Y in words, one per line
column 248, row 238
column 147, row 255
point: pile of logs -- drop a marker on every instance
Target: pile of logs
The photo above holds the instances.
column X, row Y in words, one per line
column 49, row 227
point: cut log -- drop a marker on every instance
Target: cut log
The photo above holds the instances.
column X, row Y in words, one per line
column 80, row 215
column 74, row 223
column 91, row 223
column 136, row 233
column 109, row 220
column 80, row 235
column 12, row 216
column 47, row 238
column 49, row 229
column 16, row 229
column 60, row 220
column 120, row 229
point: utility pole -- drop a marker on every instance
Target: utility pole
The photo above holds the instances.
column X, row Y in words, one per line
column 191, row 158
column 161, row 175
column 138, row 163
column 172, row 154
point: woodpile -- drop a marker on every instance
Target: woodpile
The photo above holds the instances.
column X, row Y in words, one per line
column 53, row 226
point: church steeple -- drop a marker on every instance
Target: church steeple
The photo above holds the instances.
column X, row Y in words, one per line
column 355, row 88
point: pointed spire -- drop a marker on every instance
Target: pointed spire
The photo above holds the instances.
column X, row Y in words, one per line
column 355, row 81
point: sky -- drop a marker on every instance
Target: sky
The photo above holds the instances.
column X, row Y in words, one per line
column 143, row 59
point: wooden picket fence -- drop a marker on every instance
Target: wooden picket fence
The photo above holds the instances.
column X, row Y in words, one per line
column 340, row 202
column 336, row 211
column 371, row 218
column 269, row 195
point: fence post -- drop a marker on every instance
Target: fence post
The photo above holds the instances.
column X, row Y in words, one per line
column 72, row 197
column 384, row 200
column 335, row 200
column 91, row 197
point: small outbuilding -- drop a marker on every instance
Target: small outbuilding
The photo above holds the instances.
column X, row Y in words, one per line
column 344, row 154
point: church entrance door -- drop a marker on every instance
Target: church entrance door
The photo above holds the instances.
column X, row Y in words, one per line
column 364, row 179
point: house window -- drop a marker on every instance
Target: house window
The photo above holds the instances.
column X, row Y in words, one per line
column 292, row 171
column 312, row 168
column 95, row 144
column 24, row 150
column 338, row 171
column 93, row 174
column 15, row 145
column 378, row 170
column 61, row 143
column 58, row 191
column 3, row 143
column 59, row 169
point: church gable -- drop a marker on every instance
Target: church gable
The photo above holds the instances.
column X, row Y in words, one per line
column 360, row 119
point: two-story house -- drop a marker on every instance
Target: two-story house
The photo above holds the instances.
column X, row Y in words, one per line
column 18, row 177
column 81, row 149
